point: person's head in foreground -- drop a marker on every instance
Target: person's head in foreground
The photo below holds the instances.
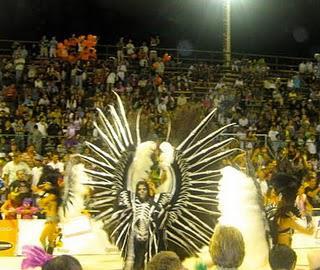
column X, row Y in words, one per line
column 63, row 262
column 282, row 257
column 37, row 257
column 227, row 247
column 165, row 260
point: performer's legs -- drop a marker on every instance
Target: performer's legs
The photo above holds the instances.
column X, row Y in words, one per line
column 139, row 254
column 48, row 236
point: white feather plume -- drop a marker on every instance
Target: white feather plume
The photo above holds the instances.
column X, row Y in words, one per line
column 240, row 208
column 141, row 164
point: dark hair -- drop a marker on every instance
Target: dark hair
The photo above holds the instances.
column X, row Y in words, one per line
column 63, row 262
column 52, row 176
column 165, row 260
column 145, row 184
column 282, row 257
column 49, row 174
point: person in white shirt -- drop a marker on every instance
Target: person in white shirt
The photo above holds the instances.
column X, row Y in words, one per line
column 42, row 126
column 130, row 48
column 159, row 67
column 44, row 47
column 238, row 82
column 9, row 171
column 44, row 100
column 56, row 164
column 19, row 63
column 162, row 107
column 36, row 171
column 243, row 121
column 302, row 68
column 309, row 67
column 181, row 100
column 38, row 83
column 53, row 47
column 122, row 69
column 272, row 134
column 311, row 145
column 145, row 48
column 220, row 85
column 111, row 80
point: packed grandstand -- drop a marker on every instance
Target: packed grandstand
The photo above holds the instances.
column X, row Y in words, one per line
column 50, row 91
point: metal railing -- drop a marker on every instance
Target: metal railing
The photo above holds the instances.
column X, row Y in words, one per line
column 187, row 56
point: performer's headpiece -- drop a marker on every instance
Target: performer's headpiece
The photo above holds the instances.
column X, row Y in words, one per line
column 35, row 257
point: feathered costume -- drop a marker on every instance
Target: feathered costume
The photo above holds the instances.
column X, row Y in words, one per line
column 50, row 200
column 182, row 215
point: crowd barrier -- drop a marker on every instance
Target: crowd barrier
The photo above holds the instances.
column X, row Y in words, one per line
column 81, row 236
column 84, row 236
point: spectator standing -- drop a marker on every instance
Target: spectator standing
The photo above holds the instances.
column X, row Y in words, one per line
column 35, row 138
column 55, row 163
column 130, row 48
column 44, row 43
column 120, row 47
column 9, row 172
column 53, row 47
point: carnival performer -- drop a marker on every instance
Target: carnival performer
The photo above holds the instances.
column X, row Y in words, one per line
column 36, row 257
column 181, row 216
column 285, row 220
column 145, row 215
column 49, row 191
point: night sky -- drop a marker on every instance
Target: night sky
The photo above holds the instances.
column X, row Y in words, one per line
column 282, row 27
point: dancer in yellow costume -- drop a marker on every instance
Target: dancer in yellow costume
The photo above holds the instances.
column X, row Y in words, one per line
column 49, row 189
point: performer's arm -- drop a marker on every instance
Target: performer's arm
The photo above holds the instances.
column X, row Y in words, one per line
column 313, row 193
column 46, row 200
column 294, row 225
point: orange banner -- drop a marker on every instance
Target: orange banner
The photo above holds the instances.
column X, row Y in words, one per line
column 8, row 237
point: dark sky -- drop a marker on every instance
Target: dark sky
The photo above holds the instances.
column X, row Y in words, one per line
column 285, row 27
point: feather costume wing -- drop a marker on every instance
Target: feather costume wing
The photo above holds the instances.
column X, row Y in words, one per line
column 189, row 210
column 193, row 211
column 108, row 177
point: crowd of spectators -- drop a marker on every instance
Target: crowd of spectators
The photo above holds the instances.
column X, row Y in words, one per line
column 50, row 103
column 47, row 108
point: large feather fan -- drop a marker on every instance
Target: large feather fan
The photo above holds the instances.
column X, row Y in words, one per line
column 189, row 201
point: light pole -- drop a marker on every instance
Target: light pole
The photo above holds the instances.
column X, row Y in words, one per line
column 227, row 32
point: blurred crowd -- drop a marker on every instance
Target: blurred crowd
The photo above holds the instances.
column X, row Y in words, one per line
column 47, row 104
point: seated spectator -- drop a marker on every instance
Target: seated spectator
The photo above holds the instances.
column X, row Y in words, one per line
column 227, row 248
column 282, row 257
column 55, row 163
column 8, row 209
column 21, row 186
column 312, row 191
column 27, row 210
column 165, row 260
column 303, row 204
